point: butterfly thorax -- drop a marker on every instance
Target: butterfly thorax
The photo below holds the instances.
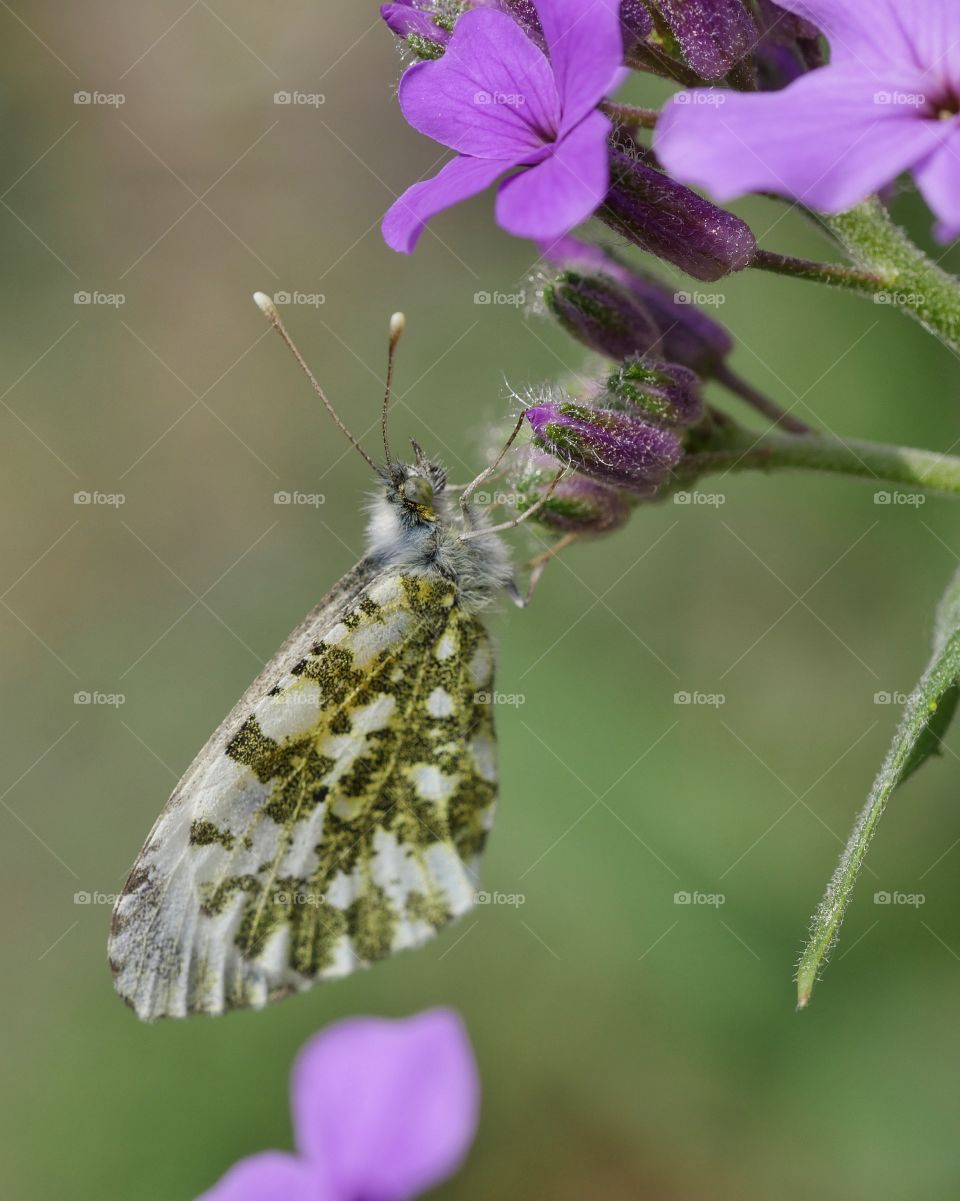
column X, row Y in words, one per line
column 415, row 524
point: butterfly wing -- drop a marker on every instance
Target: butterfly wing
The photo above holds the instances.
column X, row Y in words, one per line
column 334, row 818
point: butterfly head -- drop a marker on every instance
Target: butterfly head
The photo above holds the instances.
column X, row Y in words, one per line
column 414, row 489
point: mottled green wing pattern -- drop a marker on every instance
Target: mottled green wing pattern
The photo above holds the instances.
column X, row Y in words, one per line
column 332, row 821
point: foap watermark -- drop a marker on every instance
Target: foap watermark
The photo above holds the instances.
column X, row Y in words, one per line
column 494, row 499
column 308, row 900
column 703, row 500
column 511, row 899
column 890, row 698
column 100, row 99
column 906, row 300
column 110, row 300
column 903, row 500
column 312, row 299
column 95, row 898
column 499, row 698
column 716, row 299
column 309, row 500
column 300, row 99
column 105, row 500
column 910, row 900
column 514, row 300
column 707, row 96
column 507, row 99
column 111, row 700
column 711, row 900
column 709, row 700
column 900, row 99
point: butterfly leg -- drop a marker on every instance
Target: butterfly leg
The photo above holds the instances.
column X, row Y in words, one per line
column 537, row 567
column 489, row 472
column 525, row 516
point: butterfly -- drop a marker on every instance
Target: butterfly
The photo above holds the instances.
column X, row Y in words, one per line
column 338, row 813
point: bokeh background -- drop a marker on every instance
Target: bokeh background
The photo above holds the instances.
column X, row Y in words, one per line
column 630, row 1046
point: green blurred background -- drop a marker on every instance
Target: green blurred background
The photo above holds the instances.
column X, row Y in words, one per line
column 630, row 1046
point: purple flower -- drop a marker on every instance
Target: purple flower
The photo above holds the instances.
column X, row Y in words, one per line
column 499, row 102
column 382, row 1111
column 888, row 102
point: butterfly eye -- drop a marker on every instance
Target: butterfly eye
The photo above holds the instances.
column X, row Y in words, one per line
column 418, row 491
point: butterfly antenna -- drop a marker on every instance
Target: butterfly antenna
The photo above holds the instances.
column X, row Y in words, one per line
column 398, row 323
column 269, row 310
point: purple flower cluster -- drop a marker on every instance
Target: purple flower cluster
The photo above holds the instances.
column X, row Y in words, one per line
column 519, row 86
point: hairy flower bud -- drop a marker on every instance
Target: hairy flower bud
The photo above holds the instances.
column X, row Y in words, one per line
column 423, row 26
column 601, row 313
column 686, row 334
column 613, row 447
column 636, row 23
column 713, row 34
column 674, row 223
column 666, row 392
column 789, row 46
column 577, row 505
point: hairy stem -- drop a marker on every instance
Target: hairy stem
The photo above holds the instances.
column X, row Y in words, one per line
column 756, row 399
column 914, row 282
column 732, row 448
column 631, row 116
column 867, row 283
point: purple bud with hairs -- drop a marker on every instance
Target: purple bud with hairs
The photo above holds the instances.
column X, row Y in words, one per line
column 713, row 34
column 577, row 505
column 636, row 23
column 669, row 220
column 789, row 46
column 601, row 313
column 612, row 447
column 687, row 335
column 665, row 392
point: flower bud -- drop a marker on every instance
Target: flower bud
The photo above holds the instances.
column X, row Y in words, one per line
column 635, row 23
column 666, row 392
column 577, row 505
column 601, row 313
column 713, row 34
column 686, row 334
column 674, row 223
column 613, row 447
column 424, row 28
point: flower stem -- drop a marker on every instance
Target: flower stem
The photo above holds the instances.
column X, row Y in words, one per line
column 631, row 116
column 914, row 282
column 732, row 448
column 762, row 404
column 866, row 282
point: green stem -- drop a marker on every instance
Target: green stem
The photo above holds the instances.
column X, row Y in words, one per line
column 732, row 448
column 866, row 282
column 914, row 282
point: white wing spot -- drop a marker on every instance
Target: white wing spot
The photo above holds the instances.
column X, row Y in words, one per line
column 431, row 784
column 440, row 703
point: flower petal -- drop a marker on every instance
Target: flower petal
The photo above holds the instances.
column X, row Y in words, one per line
column 585, row 41
column 269, row 1176
column 938, row 178
column 919, row 33
column 492, row 95
column 387, row 1108
column 461, row 178
column 829, row 139
column 565, row 189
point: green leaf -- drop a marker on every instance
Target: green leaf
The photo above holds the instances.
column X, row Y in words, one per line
column 928, row 712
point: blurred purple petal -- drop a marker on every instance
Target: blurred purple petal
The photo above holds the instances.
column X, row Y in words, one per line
column 826, row 140
column 564, row 189
column 713, row 34
column 883, row 32
column 461, row 178
column 272, row 1176
column 492, row 95
column 585, row 42
column 938, row 178
column 387, row 1109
